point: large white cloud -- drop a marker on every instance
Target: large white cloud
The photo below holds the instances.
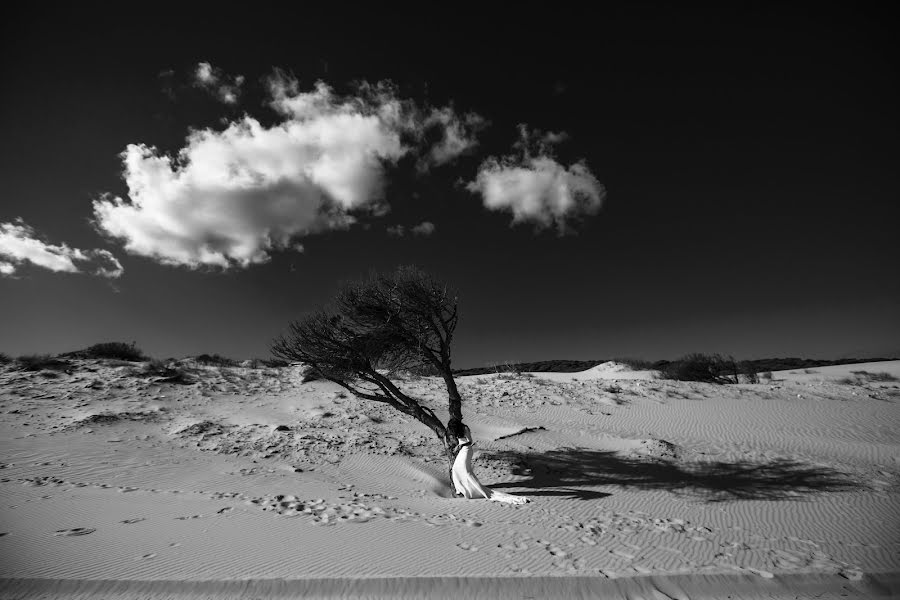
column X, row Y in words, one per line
column 534, row 187
column 20, row 244
column 230, row 197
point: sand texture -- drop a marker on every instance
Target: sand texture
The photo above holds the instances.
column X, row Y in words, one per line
column 247, row 480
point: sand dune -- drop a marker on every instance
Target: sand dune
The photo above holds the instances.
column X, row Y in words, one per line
column 249, row 481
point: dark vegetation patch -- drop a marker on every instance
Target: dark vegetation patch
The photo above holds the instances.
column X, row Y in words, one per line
column 168, row 372
column 268, row 363
column 709, row 368
column 216, row 360
column 5, row 358
column 110, row 350
column 40, row 362
column 860, row 377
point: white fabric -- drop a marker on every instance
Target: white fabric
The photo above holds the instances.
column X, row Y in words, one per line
column 467, row 484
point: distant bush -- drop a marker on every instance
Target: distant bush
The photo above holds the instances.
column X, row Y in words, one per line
column 116, row 350
column 424, row 371
column 265, row 363
column 275, row 363
column 5, row 358
column 748, row 372
column 882, row 376
column 39, row 362
column 637, row 364
column 510, row 376
column 169, row 372
column 709, row 368
column 216, row 360
column 767, row 375
column 507, row 367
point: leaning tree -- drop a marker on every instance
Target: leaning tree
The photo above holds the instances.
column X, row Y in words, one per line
column 374, row 329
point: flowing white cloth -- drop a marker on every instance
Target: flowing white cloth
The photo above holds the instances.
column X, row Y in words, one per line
column 467, row 484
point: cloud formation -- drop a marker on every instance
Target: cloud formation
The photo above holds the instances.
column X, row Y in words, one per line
column 225, row 89
column 535, row 188
column 229, row 197
column 20, row 244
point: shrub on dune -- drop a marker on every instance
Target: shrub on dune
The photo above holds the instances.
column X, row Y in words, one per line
column 708, row 368
column 40, row 362
column 860, row 377
column 168, row 372
column 216, row 360
column 113, row 350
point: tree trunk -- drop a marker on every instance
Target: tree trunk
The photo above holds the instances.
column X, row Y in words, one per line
column 454, row 400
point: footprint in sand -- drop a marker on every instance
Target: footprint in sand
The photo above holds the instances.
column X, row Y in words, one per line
column 75, row 531
column 188, row 517
column 146, row 556
column 222, row 511
column 131, row 521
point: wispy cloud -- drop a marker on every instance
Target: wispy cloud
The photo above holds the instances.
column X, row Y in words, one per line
column 456, row 136
column 20, row 244
column 531, row 185
column 230, row 197
column 226, row 89
column 425, row 228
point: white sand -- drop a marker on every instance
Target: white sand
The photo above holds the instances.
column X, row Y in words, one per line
column 115, row 485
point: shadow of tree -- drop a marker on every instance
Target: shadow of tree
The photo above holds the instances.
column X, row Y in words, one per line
column 566, row 471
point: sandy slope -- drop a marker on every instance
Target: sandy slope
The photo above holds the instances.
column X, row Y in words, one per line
column 249, row 475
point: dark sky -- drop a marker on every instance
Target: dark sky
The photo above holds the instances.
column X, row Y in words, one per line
column 750, row 156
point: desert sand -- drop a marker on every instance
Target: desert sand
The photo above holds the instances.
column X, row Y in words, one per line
column 248, row 482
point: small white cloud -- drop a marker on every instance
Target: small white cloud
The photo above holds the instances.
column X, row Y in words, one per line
column 213, row 80
column 424, row 228
column 228, row 198
column 396, row 230
column 538, row 189
column 205, row 74
column 20, row 244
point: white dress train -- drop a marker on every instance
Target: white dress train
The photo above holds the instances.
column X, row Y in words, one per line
column 467, row 484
